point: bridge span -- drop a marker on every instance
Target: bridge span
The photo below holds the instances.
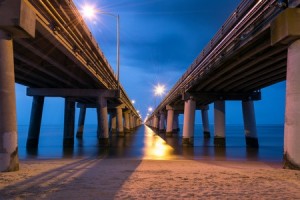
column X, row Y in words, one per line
column 46, row 46
column 256, row 47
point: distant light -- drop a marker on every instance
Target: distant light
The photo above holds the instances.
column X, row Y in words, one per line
column 132, row 101
column 138, row 111
column 150, row 109
column 159, row 90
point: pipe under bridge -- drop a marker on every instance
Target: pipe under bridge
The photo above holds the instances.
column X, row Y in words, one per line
column 46, row 46
column 256, row 47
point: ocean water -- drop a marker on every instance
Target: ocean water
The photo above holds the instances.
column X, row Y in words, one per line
column 143, row 143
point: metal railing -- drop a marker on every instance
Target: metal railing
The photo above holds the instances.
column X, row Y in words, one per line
column 64, row 19
column 246, row 14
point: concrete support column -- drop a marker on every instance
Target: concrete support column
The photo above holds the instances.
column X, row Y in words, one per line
column 9, row 160
column 127, row 123
column 292, row 109
column 81, row 121
column 113, row 123
column 120, row 126
column 189, row 122
column 219, row 114
column 170, row 120
column 156, row 122
column 103, row 135
column 130, row 122
column 133, row 122
column 162, row 120
column 205, row 123
column 249, row 124
column 176, row 123
column 35, row 122
column 69, row 122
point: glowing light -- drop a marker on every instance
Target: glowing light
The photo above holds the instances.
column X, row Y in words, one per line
column 133, row 101
column 159, row 90
column 150, row 109
column 88, row 11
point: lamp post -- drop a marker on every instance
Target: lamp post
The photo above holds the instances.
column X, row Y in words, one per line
column 159, row 90
column 89, row 11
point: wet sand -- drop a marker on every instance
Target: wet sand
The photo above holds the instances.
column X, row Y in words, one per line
column 117, row 178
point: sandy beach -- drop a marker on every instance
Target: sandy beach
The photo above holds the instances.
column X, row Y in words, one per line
column 107, row 178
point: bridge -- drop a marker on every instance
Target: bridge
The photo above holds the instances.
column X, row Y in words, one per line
column 46, row 46
column 256, row 47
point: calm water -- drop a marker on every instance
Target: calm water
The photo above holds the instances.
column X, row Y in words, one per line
column 144, row 143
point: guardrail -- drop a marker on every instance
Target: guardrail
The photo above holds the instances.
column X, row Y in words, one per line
column 247, row 13
column 64, row 19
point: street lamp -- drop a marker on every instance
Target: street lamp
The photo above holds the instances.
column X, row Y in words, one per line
column 89, row 11
column 150, row 109
column 159, row 90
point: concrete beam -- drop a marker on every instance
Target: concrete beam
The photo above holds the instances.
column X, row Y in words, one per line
column 17, row 18
column 294, row 3
column 66, row 92
column 110, row 106
column 285, row 28
column 213, row 96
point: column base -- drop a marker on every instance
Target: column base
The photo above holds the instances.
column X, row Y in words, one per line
column 126, row 130
column 68, row 142
column 104, row 142
column 206, row 134
column 113, row 130
column 187, row 142
column 162, row 130
column 121, row 134
column 169, row 134
column 14, row 162
column 32, row 143
column 175, row 131
column 252, row 142
column 79, row 134
column 288, row 163
column 219, row 141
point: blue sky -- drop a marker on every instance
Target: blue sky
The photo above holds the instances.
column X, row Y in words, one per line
column 159, row 41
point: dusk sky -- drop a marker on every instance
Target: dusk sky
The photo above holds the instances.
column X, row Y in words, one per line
column 159, row 41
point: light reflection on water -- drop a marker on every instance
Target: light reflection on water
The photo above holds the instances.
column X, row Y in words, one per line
column 146, row 144
column 156, row 148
